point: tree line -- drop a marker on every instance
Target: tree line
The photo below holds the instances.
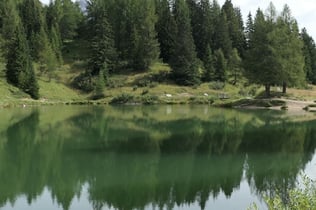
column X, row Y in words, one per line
column 200, row 40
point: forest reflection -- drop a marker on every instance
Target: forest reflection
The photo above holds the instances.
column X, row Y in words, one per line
column 132, row 157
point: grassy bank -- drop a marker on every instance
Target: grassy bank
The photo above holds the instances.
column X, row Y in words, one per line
column 144, row 88
column 147, row 87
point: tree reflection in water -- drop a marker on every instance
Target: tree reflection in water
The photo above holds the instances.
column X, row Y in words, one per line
column 132, row 157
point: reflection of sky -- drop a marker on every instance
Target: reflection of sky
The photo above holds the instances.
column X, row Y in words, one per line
column 310, row 169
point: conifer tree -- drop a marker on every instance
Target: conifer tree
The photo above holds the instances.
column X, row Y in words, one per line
column 222, row 39
column 258, row 70
column 19, row 68
column 309, row 52
column 287, row 47
column 102, row 45
column 208, row 61
column 184, row 61
column 166, row 29
column 234, row 66
column 220, row 65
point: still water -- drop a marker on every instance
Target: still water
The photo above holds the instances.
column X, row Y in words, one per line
column 150, row 157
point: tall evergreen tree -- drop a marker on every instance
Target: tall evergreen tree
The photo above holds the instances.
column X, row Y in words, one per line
column 71, row 16
column 288, row 47
column 309, row 52
column 19, row 68
column 146, row 50
column 258, row 70
column 208, row 61
column 102, row 46
column 184, row 61
column 166, row 29
column 235, row 26
column 234, row 66
column 220, row 65
column 222, row 39
column 249, row 30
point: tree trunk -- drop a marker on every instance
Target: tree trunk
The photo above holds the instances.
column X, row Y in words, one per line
column 284, row 88
column 267, row 90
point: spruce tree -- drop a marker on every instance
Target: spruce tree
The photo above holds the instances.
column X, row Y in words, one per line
column 166, row 29
column 184, row 61
column 235, row 26
column 146, row 48
column 258, row 70
column 309, row 52
column 102, row 45
column 222, row 39
column 220, row 65
column 287, row 45
column 208, row 61
column 234, row 67
column 19, row 68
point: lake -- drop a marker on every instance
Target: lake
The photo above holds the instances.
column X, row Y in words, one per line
column 150, row 157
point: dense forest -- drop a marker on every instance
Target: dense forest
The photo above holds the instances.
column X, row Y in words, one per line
column 200, row 40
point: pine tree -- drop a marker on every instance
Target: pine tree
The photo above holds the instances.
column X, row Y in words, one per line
column 222, row 39
column 19, row 68
column 309, row 52
column 220, row 65
column 234, row 66
column 249, row 30
column 258, row 70
column 288, row 47
column 166, row 29
column 184, row 61
column 209, row 71
column 70, row 19
column 146, row 50
column 102, row 45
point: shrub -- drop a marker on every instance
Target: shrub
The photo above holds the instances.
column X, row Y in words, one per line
column 299, row 198
column 216, row 85
column 149, row 99
column 122, row 99
column 146, row 91
column 84, row 82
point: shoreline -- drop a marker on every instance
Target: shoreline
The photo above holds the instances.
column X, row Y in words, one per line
column 289, row 105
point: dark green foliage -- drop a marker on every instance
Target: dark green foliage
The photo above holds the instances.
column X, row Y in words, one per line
column 166, row 29
column 19, row 68
column 235, row 26
column 220, row 65
column 234, row 67
column 184, row 61
column 209, row 70
column 122, row 99
column 222, row 39
column 33, row 22
column 309, row 52
column 102, row 46
column 84, row 82
column 100, row 84
column 69, row 19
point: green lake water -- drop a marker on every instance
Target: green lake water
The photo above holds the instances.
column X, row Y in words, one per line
column 150, row 157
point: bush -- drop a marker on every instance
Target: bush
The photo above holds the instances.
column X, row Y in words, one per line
column 122, row 99
column 149, row 99
column 115, row 83
column 299, row 198
column 146, row 91
column 84, row 82
column 216, row 85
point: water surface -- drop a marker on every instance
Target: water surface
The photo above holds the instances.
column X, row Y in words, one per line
column 150, row 157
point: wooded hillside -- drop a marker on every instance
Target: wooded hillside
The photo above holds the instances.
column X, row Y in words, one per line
column 200, row 40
